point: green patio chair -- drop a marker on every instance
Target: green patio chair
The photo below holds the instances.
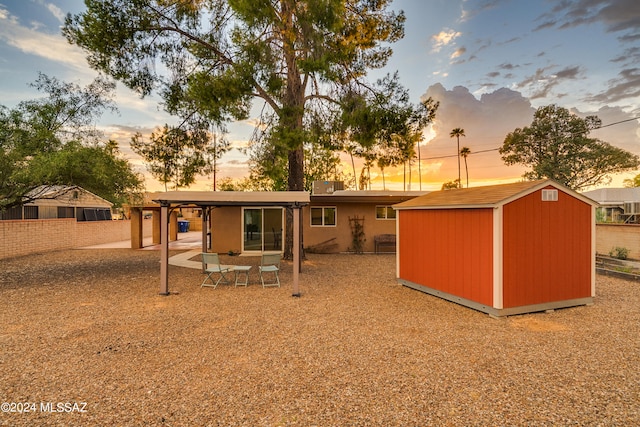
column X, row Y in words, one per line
column 270, row 263
column 211, row 266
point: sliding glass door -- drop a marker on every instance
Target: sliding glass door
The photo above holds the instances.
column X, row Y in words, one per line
column 262, row 229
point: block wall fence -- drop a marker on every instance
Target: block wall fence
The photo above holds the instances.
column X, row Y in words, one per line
column 609, row 236
column 24, row 237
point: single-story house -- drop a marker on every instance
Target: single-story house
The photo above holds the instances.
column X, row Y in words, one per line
column 501, row 249
column 60, row 201
column 327, row 221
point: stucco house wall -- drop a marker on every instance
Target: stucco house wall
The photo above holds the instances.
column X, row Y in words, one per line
column 341, row 232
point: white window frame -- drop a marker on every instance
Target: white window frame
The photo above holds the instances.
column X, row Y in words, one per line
column 242, row 224
column 386, row 213
column 550, row 195
column 335, row 216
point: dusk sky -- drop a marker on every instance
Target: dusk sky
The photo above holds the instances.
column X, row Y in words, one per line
column 490, row 63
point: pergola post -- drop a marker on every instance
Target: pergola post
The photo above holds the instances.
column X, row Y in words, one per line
column 155, row 225
column 136, row 228
column 164, row 248
column 296, row 249
column 204, row 216
column 205, row 230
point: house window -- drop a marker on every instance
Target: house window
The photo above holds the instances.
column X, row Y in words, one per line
column 12, row 213
column 385, row 212
column 66, row 212
column 323, row 217
column 549, row 195
column 31, row 212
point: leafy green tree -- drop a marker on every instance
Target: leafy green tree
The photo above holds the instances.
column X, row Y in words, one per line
column 632, row 182
column 53, row 141
column 229, row 184
column 268, row 171
column 464, row 153
column 451, row 185
column 457, row 133
column 217, row 148
column 220, row 55
column 402, row 146
column 173, row 155
column 96, row 168
column 267, row 167
column 321, row 164
column 383, row 126
column 557, row 146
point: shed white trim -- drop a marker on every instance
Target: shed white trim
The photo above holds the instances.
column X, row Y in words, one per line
column 498, row 295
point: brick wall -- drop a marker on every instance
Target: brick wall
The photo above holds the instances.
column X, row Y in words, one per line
column 24, row 237
column 608, row 236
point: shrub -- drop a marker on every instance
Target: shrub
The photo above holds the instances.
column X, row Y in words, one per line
column 619, row 252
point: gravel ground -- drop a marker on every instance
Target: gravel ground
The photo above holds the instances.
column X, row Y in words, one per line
column 88, row 327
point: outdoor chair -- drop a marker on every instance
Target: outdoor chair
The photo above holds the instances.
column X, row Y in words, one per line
column 270, row 263
column 211, row 266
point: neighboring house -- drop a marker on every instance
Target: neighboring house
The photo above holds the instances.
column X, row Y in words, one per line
column 327, row 222
column 501, row 249
column 617, row 204
column 61, row 202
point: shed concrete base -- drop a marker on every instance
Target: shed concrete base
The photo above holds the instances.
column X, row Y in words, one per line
column 497, row 312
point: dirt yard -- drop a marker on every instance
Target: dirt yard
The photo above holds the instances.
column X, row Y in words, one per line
column 85, row 339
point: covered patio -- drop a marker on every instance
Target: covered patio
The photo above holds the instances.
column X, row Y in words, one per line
column 209, row 200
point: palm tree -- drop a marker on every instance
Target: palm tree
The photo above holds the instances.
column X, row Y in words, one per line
column 458, row 132
column 464, row 152
column 383, row 162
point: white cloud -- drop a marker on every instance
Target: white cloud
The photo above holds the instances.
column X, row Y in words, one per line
column 444, row 38
column 55, row 11
column 486, row 121
column 458, row 53
column 6, row 16
column 52, row 47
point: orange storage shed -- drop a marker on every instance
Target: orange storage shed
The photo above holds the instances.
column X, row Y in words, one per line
column 502, row 249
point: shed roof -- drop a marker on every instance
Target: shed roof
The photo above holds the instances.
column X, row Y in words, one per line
column 233, row 198
column 486, row 196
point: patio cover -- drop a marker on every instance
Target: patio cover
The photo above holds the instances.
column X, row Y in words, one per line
column 211, row 199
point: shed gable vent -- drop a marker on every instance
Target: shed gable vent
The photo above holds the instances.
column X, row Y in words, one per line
column 549, row 195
